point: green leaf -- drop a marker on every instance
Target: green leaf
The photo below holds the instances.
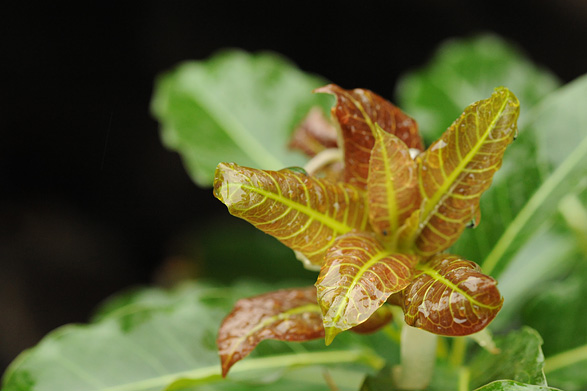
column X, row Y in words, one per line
column 509, row 385
column 160, row 337
column 285, row 315
column 304, row 213
column 357, row 113
column 456, row 169
column 357, row 277
column 521, row 360
column 234, row 106
column 565, row 340
column 450, row 296
column 463, row 70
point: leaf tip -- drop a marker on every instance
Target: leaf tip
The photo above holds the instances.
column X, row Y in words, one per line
column 330, row 333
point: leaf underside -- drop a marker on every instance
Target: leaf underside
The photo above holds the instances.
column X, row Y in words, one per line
column 286, row 315
column 459, row 167
column 375, row 322
column 303, row 212
column 358, row 276
column 451, row 296
column 314, row 134
column 357, row 112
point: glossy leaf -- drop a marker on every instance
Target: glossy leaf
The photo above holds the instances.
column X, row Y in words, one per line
column 357, row 111
column 234, row 106
column 392, row 185
column 520, row 359
column 286, row 315
column 314, row 134
column 304, row 213
column 451, row 296
column 356, row 279
column 459, row 167
column 522, row 197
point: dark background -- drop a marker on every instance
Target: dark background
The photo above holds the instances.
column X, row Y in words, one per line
column 91, row 203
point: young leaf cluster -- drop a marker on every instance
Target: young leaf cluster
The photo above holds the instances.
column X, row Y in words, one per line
column 376, row 225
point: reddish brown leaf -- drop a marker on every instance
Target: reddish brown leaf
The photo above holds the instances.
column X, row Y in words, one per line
column 378, row 320
column 451, row 296
column 314, row 134
column 303, row 212
column 285, row 315
column 392, row 188
column 459, row 167
column 356, row 279
column 357, row 111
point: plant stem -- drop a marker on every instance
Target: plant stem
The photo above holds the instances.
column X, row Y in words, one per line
column 565, row 359
column 418, row 356
column 459, row 348
column 464, row 378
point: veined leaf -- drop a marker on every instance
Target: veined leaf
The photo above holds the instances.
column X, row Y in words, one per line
column 356, row 279
column 314, row 134
column 392, row 184
column 286, row 315
column 450, row 296
column 304, row 213
column 152, row 338
column 520, row 359
column 459, row 167
column 357, row 111
column 234, row 106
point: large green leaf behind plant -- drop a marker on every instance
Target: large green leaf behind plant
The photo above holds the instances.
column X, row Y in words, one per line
column 463, row 70
column 235, row 107
column 153, row 339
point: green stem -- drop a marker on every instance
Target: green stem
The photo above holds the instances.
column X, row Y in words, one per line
column 532, row 206
column 565, row 359
column 418, row 356
column 211, row 373
column 459, row 348
column 464, row 378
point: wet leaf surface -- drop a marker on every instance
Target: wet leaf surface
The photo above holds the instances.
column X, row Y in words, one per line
column 286, row 315
column 303, row 212
column 451, row 296
column 356, row 279
column 357, row 111
column 456, row 169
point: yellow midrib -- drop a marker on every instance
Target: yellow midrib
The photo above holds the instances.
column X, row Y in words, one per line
column 272, row 319
column 389, row 185
column 442, row 191
column 308, row 211
column 378, row 257
column 438, row 277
